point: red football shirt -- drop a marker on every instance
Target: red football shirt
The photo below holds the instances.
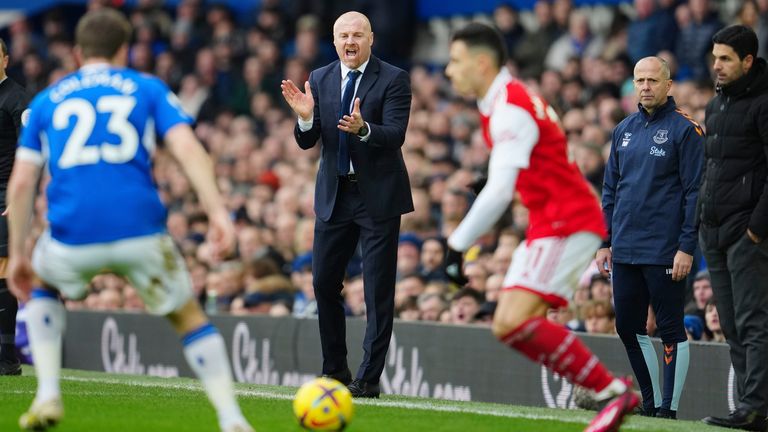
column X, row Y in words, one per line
column 525, row 136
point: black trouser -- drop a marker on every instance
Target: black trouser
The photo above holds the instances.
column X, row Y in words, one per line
column 740, row 284
column 634, row 288
column 8, row 304
column 335, row 242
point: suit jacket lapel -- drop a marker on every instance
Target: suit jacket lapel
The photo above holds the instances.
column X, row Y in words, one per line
column 369, row 77
column 333, row 84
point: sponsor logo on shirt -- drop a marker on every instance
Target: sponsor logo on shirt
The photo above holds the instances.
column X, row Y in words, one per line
column 658, row 152
column 625, row 140
column 661, row 136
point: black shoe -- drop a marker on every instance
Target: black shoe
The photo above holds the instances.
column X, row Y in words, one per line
column 740, row 419
column 666, row 414
column 10, row 368
column 344, row 377
column 642, row 411
column 363, row 389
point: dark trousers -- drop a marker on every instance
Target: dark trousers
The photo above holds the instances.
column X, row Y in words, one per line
column 334, row 244
column 634, row 288
column 740, row 284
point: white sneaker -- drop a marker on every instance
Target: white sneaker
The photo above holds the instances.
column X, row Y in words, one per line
column 42, row 415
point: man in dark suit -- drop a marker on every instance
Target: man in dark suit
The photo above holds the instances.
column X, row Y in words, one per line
column 359, row 107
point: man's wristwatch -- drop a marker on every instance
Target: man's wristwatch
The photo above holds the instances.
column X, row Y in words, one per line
column 363, row 131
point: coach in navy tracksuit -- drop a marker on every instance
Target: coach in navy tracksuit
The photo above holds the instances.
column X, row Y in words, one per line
column 649, row 202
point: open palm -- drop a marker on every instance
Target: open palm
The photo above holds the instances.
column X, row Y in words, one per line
column 302, row 104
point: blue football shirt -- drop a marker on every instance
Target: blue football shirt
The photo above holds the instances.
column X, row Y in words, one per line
column 96, row 130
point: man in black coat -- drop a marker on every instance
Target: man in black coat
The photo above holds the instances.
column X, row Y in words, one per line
column 733, row 210
column 359, row 108
column 13, row 101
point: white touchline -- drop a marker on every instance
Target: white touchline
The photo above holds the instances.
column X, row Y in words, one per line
column 442, row 406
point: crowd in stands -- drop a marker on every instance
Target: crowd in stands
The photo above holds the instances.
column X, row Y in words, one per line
column 226, row 71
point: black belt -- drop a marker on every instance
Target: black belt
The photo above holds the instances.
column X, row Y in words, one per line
column 351, row 178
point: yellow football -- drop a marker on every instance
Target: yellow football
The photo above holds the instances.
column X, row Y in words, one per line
column 323, row 404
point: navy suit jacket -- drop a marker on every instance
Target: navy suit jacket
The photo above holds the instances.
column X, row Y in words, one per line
column 385, row 103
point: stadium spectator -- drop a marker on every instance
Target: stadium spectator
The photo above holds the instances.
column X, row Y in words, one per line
column 589, row 159
column 694, row 327
column 409, row 286
column 599, row 317
column 695, row 41
column 712, row 320
column 431, row 306
column 733, row 205
column 476, row 275
column 91, row 227
column 654, row 169
column 702, row 292
column 408, row 255
column 581, row 295
column 506, row 19
column 13, row 102
column 354, row 297
column 408, row 310
column 431, row 260
column 529, row 55
column 564, row 217
column 600, row 288
column 465, row 304
column 304, row 303
column 362, row 189
column 577, row 42
column 493, row 286
column 653, row 30
column 264, row 296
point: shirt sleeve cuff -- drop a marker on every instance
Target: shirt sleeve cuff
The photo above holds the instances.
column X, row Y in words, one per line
column 305, row 125
column 26, row 154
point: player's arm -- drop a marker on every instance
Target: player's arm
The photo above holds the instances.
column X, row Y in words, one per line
column 514, row 133
column 198, row 167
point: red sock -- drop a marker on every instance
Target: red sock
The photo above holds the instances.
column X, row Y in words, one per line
column 561, row 351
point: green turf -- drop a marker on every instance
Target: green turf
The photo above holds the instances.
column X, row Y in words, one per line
column 107, row 402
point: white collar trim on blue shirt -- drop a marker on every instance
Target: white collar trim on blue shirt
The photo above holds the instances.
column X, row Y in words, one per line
column 94, row 66
column 486, row 103
column 345, row 70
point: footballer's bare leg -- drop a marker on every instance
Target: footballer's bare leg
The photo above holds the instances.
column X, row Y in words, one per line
column 206, row 354
column 520, row 323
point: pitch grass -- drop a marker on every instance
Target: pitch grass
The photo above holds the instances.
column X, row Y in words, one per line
column 96, row 402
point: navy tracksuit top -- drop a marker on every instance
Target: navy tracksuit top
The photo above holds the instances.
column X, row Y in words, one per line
column 651, row 186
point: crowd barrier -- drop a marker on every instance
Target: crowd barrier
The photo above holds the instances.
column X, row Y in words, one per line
column 424, row 359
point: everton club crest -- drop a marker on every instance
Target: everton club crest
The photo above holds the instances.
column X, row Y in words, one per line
column 661, row 136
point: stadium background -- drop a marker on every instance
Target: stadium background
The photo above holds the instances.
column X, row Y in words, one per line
column 225, row 60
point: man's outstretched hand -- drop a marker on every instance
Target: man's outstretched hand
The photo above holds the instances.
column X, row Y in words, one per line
column 303, row 104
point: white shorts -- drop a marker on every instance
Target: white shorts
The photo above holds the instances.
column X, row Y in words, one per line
column 152, row 264
column 551, row 266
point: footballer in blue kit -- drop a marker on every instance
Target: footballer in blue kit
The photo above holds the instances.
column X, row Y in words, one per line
column 94, row 131
column 96, row 128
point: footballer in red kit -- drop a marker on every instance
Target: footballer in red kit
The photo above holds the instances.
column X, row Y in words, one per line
column 529, row 155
